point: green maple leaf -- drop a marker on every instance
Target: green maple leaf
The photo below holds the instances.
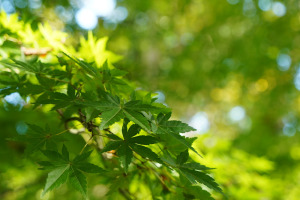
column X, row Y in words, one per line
column 137, row 118
column 182, row 157
column 195, row 176
column 41, row 71
column 163, row 125
column 113, row 110
column 63, row 169
column 193, row 171
column 125, row 155
column 198, row 193
column 191, row 192
column 37, row 138
column 71, row 92
column 181, row 161
column 78, row 180
column 57, row 177
column 131, row 143
column 110, row 117
column 173, row 128
column 87, row 67
column 11, row 79
column 24, row 66
column 110, row 77
column 133, row 109
column 60, row 100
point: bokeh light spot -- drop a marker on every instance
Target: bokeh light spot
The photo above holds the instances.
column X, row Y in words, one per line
column 87, row 16
column 21, row 3
column 297, row 79
column 289, row 129
column 15, row 99
column 200, row 122
column 261, row 85
column 119, row 14
column 86, row 19
column 160, row 97
column 8, row 6
column 101, row 8
column 35, row 4
column 284, row 62
column 249, row 8
column 21, row 128
column 265, row 5
column 65, row 14
column 237, row 113
column 279, row 9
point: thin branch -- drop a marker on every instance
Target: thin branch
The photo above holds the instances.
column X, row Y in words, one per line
column 87, row 142
column 125, row 194
column 64, row 131
column 60, row 113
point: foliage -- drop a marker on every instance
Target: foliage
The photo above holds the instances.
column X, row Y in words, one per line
column 211, row 56
column 207, row 58
column 89, row 98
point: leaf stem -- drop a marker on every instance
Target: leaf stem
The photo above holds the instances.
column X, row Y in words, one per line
column 65, row 130
column 87, row 142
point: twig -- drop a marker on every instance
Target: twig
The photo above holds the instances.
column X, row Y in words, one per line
column 34, row 51
column 87, row 142
column 125, row 195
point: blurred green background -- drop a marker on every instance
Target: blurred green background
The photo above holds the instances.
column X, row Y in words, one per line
column 229, row 68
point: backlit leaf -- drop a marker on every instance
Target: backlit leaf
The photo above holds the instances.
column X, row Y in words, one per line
column 125, row 156
column 56, row 178
column 78, row 181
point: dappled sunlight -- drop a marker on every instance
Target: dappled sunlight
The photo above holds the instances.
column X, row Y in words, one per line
column 229, row 69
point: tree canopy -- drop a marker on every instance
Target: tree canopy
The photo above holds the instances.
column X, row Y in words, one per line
column 230, row 69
